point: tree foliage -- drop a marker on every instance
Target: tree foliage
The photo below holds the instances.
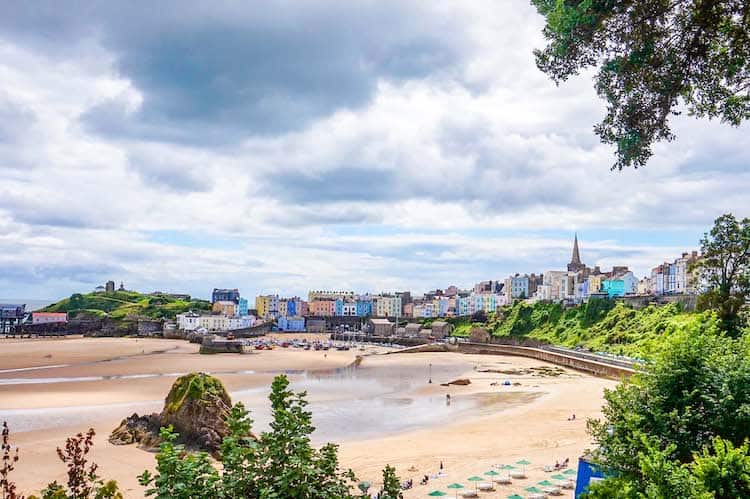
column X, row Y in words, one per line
column 725, row 269
column 683, row 423
column 652, row 57
column 281, row 463
column 391, row 484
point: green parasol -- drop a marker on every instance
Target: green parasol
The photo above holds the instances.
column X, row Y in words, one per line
column 559, row 477
column 533, row 490
column 569, row 472
column 456, row 486
column 507, row 467
column 437, row 493
column 476, row 480
column 515, row 496
column 546, row 483
column 491, row 473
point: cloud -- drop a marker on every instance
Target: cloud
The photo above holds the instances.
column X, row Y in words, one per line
column 377, row 145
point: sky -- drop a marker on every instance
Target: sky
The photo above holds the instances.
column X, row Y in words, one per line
column 372, row 145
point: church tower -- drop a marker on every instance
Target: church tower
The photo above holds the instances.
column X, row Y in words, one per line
column 575, row 264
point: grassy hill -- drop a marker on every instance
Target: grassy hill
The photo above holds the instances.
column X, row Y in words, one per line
column 600, row 325
column 120, row 305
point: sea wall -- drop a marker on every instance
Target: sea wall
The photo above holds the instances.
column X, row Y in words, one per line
column 579, row 364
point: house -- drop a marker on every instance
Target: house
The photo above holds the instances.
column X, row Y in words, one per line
column 228, row 308
column 412, row 329
column 316, row 326
column 48, row 317
column 479, row 335
column 380, row 327
column 441, row 329
column 293, row 323
column 425, row 333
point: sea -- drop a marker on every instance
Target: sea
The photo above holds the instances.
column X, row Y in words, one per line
column 31, row 305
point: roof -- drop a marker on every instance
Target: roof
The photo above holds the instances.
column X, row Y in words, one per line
column 49, row 314
column 439, row 323
column 381, row 322
column 413, row 325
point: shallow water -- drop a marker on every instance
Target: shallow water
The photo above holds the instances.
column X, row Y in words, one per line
column 347, row 404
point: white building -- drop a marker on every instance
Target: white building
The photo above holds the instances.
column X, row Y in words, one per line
column 387, row 306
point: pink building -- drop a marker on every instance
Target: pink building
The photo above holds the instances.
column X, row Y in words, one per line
column 322, row 308
column 48, row 317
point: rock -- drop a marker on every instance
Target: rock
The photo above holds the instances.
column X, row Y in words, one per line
column 197, row 406
column 141, row 430
column 460, row 382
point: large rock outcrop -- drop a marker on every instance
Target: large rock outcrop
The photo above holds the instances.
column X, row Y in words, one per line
column 197, row 406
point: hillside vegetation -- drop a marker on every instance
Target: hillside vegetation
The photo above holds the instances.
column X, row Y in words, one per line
column 123, row 304
column 601, row 325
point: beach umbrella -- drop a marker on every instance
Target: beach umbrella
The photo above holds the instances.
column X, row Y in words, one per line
column 569, row 472
column 476, row 480
column 559, row 477
column 491, row 473
column 437, row 493
column 546, row 483
column 533, row 490
column 507, row 467
column 523, row 463
column 515, row 496
column 456, row 486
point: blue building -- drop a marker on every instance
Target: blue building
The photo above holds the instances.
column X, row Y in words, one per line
column 364, row 308
column 339, row 310
column 291, row 323
column 291, row 308
column 225, row 295
column 242, row 309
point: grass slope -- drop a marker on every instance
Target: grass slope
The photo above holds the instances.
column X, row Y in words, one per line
column 123, row 304
column 601, row 325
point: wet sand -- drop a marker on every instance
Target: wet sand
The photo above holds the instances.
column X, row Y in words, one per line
column 409, row 425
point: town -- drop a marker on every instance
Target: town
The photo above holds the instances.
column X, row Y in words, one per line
column 325, row 311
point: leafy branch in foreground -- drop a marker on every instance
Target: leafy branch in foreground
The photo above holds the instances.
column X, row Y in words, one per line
column 10, row 458
column 280, row 463
column 652, row 56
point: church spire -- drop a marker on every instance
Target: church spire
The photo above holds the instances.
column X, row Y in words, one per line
column 576, row 259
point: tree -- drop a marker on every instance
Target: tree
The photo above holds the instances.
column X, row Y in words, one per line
column 724, row 469
column 180, row 474
column 725, row 268
column 391, row 484
column 657, row 423
column 288, row 464
column 652, row 57
column 281, row 463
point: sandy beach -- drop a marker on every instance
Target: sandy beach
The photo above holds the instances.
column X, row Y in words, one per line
column 384, row 412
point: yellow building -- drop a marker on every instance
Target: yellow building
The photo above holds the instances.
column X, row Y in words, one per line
column 595, row 283
column 267, row 306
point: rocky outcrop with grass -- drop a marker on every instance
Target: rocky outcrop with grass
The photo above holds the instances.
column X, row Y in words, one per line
column 197, row 406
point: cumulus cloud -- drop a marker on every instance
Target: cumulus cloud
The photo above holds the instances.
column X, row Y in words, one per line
column 372, row 145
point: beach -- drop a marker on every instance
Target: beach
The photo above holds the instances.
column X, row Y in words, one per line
column 383, row 412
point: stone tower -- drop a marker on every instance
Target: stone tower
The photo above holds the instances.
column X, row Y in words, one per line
column 575, row 264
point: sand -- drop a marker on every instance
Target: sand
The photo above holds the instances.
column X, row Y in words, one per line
column 519, row 422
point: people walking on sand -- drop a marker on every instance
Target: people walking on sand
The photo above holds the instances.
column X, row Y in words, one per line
column 441, row 466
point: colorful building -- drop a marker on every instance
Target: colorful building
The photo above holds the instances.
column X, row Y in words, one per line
column 48, row 317
column 291, row 323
